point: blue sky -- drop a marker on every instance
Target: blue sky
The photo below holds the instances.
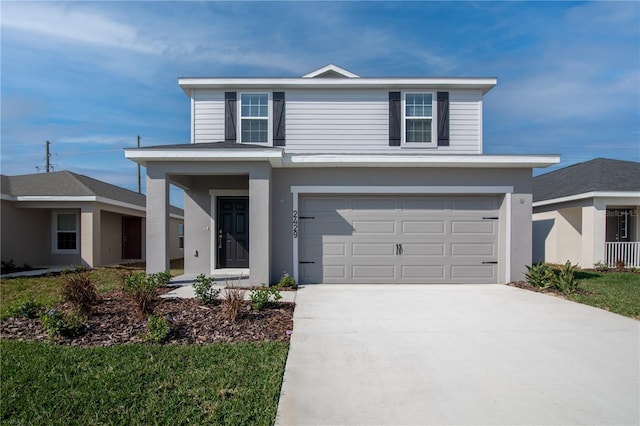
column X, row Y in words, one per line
column 90, row 76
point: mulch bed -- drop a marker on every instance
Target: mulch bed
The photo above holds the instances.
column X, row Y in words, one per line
column 526, row 286
column 114, row 322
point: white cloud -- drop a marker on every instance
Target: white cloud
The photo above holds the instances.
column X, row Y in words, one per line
column 73, row 23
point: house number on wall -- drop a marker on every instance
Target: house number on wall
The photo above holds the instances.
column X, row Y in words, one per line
column 295, row 224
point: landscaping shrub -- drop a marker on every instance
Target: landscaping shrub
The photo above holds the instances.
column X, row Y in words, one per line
column 262, row 296
column 203, row 288
column 59, row 325
column 158, row 328
column 566, row 281
column 540, row 275
column 142, row 290
column 287, row 281
column 232, row 302
column 80, row 292
column 620, row 265
column 29, row 310
column 601, row 267
column 159, row 279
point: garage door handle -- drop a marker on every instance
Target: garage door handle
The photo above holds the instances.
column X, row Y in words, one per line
column 399, row 250
column 306, row 262
column 493, row 262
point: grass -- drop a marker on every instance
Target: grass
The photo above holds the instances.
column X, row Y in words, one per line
column 46, row 289
column 617, row 292
column 140, row 384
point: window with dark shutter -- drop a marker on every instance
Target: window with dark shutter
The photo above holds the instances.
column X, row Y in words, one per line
column 278, row 119
column 443, row 118
column 230, row 117
column 395, row 117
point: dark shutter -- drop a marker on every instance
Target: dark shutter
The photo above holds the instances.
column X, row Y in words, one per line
column 395, row 117
column 443, row 118
column 278, row 119
column 230, row 112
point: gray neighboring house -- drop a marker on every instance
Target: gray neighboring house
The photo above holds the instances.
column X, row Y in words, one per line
column 588, row 213
column 63, row 218
column 337, row 178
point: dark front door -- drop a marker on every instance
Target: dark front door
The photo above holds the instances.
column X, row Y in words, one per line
column 233, row 232
column 131, row 237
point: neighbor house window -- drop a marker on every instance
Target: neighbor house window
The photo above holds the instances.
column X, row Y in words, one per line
column 419, row 119
column 65, row 238
column 254, row 117
column 181, row 235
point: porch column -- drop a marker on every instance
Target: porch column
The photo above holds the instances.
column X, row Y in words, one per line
column 90, row 236
column 594, row 222
column 259, row 224
column 157, row 220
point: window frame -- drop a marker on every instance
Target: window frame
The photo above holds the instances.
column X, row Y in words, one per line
column 268, row 119
column 433, row 118
column 54, row 232
column 181, row 236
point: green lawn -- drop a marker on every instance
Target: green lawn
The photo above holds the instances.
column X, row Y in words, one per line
column 140, row 384
column 614, row 291
column 46, row 289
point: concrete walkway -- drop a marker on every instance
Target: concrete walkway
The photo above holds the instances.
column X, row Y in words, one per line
column 457, row 354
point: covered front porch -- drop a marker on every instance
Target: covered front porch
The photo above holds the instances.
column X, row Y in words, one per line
column 227, row 219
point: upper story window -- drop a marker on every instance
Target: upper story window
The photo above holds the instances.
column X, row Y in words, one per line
column 254, row 118
column 419, row 129
column 65, row 235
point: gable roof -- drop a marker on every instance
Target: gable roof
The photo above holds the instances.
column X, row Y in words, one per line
column 330, row 71
column 68, row 184
column 598, row 175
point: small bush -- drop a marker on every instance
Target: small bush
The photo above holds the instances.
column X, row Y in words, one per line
column 232, row 302
column 262, row 296
column 158, row 329
column 142, row 290
column 203, row 288
column 620, row 265
column 540, row 275
column 566, row 281
column 81, row 292
column 59, row 325
column 160, row 279
column 601, row 267
column 287, row 281
column 29, row 310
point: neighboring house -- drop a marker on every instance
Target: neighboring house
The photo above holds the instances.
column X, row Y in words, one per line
column 63, row 218
column 588, row 213
column 335, row 178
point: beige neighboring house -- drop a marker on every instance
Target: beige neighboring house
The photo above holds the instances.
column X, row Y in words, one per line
column 63, row 218
column 588, row 213
column 337, row 178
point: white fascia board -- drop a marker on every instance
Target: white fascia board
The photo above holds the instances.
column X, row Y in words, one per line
column 401, row 189
column 483, row 83
column 143, row 156
column 413, row 160
column 631, row 195
column 78, row 199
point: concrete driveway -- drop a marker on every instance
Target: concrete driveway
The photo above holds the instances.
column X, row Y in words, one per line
column 457, row 354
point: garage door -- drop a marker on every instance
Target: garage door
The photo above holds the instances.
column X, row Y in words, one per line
column 398, row 239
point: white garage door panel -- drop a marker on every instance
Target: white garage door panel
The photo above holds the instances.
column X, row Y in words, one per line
column 398, row 239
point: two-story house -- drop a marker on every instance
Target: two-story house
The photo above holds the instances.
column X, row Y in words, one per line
column 337, row 178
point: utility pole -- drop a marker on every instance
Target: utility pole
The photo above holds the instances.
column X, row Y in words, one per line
column 139, row 185
column 48, row 156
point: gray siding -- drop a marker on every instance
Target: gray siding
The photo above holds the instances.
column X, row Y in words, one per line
column 344, row 121
column 208, row 116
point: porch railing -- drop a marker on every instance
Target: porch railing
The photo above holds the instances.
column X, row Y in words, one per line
column 629, row 253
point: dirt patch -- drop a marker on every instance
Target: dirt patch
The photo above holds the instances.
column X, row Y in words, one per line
column 114, row 322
